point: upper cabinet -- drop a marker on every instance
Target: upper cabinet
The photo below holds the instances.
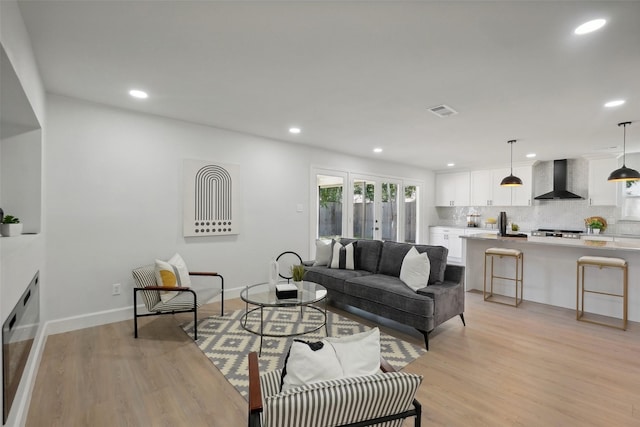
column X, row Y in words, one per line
column 452, row 189
column 482, row 188
column 601, row 191
column 521, row 196
column 486, row 189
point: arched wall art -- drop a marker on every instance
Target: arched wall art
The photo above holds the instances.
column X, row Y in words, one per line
column 210, row 199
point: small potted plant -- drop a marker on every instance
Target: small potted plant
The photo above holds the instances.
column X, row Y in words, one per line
column 297, row 273
column 595, row 226
column 11, row 226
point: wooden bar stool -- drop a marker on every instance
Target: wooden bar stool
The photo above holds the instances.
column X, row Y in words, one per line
column 518, row 257
column 601, row 262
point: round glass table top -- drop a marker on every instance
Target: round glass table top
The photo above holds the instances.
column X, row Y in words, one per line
column 264, row 294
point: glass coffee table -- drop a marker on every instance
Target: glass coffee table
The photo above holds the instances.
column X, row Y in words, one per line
column 263, row 296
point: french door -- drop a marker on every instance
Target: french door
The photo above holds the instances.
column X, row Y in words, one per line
column 375, row 208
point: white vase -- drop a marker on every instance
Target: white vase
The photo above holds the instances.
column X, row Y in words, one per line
column 9, row 230
column 596, row 231
column 298, row 284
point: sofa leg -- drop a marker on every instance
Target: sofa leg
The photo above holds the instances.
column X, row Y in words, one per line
column 462, row 318
column 426, row 338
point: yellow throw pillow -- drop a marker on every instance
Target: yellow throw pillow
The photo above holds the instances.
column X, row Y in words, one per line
column 170, row 274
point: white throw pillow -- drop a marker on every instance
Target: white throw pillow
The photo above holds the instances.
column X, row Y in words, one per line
column 306, row 366
column 415, row 269
column 323, row 252
column 170, row 274
column 343, row 256
column 359, row 354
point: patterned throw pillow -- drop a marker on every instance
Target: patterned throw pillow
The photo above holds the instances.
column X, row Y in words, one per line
column 343, row 257
column 170, row 274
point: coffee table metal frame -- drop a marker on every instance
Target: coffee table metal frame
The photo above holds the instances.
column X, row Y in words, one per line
column 263, row 295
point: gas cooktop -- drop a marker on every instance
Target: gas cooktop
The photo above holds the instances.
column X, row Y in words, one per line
column 549, row 232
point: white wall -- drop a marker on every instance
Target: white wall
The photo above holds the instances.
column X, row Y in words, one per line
column 19, row 259
column 114, row 201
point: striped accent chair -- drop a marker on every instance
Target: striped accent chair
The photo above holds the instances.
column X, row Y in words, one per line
column 187, row 301
column 384, row 399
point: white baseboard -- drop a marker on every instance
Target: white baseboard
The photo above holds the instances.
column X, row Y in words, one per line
column 89, row 320
column 20, row 408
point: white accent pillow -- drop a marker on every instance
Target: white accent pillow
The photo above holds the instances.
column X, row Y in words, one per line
column 415, row 269
column 343, row 256
column 170, row 274
column 306, row 366
column 359, row 354
column 323, row 252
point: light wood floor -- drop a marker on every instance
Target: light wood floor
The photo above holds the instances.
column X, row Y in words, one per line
column 530, row 366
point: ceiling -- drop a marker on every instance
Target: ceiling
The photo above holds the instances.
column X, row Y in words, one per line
column 355, row 75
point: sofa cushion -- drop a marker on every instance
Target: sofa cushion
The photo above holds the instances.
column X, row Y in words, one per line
column 343, row 256
column 392, row 290
column 367, row 253
column 331, row 278
column 393, row 254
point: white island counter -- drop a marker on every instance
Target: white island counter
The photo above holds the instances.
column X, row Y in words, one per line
column 550, row 270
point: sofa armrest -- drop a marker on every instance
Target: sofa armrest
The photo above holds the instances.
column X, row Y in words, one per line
column 454, row 273
column 448, row 296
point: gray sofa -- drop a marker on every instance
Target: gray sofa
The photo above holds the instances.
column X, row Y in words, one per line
column 375, row 286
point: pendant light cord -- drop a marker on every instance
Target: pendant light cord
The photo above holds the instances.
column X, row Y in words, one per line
column 511, row 143
column 624, row 142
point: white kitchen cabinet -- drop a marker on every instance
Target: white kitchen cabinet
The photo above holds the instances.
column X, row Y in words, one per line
column 452, row 189
column 521, row 196
column 449, row 237
column 486, row 189
column 601, row 191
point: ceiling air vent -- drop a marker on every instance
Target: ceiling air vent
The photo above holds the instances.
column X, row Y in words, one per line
column 443, row 111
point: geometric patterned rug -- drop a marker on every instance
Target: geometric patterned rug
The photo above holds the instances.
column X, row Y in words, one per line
column 227, row 344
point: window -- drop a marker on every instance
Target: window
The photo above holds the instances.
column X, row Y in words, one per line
column 330, row 212
column 411, row 213
column 363, row 207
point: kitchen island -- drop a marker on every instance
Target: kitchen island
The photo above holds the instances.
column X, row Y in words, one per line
column 550, row 270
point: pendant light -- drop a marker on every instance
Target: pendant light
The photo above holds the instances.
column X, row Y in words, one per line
column 624, row 173
column 511, row 180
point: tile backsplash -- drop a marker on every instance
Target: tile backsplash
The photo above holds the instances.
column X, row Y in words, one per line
column 555, row 214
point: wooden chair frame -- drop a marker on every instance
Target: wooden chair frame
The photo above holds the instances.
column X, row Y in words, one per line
column 255, row 399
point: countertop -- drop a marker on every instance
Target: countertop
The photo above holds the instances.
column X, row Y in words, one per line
column 624, row 245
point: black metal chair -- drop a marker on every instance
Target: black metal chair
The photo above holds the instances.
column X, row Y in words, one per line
column 187, row 301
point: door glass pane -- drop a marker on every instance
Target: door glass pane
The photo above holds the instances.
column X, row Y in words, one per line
column 363, row 219
column 389, row 211
column 410, row 213
column 329, row 206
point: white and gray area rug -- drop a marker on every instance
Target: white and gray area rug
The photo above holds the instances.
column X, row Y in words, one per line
column 227, row 344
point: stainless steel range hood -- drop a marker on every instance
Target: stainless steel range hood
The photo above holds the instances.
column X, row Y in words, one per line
column 560, row 191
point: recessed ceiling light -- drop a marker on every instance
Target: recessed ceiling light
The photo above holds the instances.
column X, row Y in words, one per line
column 294, row 130
column 531, row 155
column 451, row 164
column 138, row 94
column 615, row 103
column 377, row 150
column 590, row 26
